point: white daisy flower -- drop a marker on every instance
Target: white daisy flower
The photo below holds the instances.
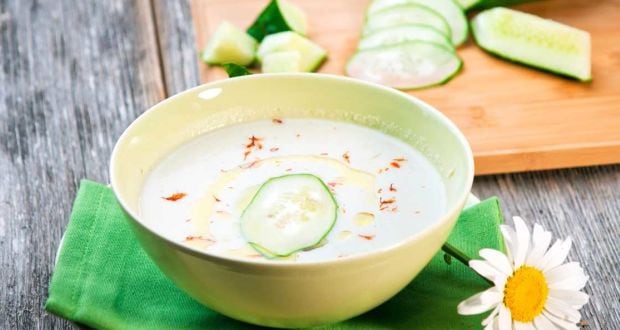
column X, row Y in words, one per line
column 534, row 288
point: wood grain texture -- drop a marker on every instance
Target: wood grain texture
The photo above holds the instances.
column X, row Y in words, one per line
column 176, row 44
column 516, row 118
column 74, row 75
column 60, row 114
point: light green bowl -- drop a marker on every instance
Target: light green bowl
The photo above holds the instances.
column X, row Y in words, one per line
column 300, row 294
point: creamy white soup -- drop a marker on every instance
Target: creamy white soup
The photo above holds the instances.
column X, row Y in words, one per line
column 384, row 189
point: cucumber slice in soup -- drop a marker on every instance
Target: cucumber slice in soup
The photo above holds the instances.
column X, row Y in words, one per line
column 278, row 16
column 406, row 14
column 410, row 65
column 229, row 44
column 289, row 213
column 398, row 34
column 282, row 62
column 312, row 55
column 534, row 41
column 448, row 9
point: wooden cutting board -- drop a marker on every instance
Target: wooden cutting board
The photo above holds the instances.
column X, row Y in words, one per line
column 516, row 118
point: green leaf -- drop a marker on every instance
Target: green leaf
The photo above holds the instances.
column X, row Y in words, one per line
column 236, row 70
column 270, row 21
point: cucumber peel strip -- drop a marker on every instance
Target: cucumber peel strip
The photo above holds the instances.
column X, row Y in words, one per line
column 261, row 220
column 278, row 16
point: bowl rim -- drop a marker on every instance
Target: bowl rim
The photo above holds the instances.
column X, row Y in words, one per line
column 441, row 220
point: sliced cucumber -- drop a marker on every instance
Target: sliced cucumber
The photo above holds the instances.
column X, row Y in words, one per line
column 282, row 62
column 398, row 34
column 289, row 213
column 406, row 14
column 229, row 44
column 312, row 55
column 534, row 41
column 278, row 16
column 410, row 65
column 448, row 9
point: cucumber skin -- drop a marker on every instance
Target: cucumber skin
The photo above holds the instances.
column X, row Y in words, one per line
column 272, row 255
column 269, row 21
column 486, row 4
column 442, row 82
column 527, row 64
column 235, row 70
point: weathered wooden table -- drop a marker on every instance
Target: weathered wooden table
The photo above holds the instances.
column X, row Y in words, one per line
column 76, row 73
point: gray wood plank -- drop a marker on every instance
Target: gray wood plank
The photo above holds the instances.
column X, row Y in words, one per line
column 177, row 45
column 74, row 75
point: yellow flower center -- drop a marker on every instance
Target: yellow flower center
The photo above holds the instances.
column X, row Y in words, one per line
column 525, row 293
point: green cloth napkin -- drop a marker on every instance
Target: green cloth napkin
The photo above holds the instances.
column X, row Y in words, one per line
column 103, row 278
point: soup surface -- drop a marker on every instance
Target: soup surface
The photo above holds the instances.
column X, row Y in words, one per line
column 385, row 190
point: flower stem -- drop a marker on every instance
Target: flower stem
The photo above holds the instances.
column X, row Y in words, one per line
column 460, row 256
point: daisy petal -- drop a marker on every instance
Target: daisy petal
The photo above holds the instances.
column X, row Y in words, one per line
column 523, row 326
column 541, row 322
column 562, row 310
column 569, row 276
column 540, row 243
column 553, row 260
column 498, row 260
column 479, row 303
column 575, row 282
column 562, row 272
column 485, row 269
column 575, row 299
column 489, row 319
column 504, row 319
column 562, row 324
column 523, row 242
column 492, row 325
column 510, row 239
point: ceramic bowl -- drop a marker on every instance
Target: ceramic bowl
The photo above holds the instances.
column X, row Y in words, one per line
column 291, row 294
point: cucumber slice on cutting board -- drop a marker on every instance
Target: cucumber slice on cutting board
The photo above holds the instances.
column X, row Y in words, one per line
column 448, row 9
column 278, row 16
column 535, row 41
column 406, row 14
column 229, row 44
column 409, row 65
column 311, row 54
column 282, row 62
column 289, row 213
column 399, row 34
